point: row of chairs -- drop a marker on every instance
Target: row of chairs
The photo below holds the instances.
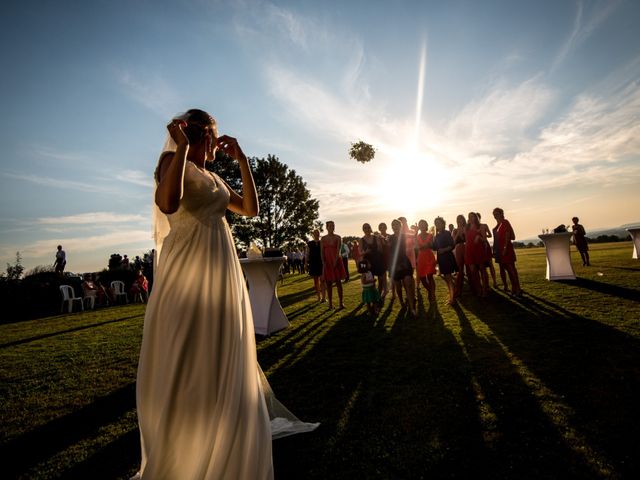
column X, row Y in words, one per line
column 69, row 296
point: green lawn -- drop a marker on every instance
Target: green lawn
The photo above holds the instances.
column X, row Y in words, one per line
column 541, row 387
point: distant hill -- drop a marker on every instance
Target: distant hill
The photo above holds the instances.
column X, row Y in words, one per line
column 595, row 233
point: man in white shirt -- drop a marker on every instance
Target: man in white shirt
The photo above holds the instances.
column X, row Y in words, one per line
column 61, row 260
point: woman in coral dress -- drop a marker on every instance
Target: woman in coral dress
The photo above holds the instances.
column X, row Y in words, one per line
column 426, row 264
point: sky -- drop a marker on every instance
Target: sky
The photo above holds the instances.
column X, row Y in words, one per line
column 532, row 106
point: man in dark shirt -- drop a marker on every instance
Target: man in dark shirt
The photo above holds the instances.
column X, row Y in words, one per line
column 580, row 240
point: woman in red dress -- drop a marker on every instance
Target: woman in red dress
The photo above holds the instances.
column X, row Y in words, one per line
column 426, row 264
column 474, row 252
column 332, row 266
column 505, row 255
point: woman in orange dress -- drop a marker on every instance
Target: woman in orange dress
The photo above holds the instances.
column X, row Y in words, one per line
column 426, row 264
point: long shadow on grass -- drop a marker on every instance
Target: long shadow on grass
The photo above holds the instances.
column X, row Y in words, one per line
column 589, row 368
column 57, row 435
column 291, row 298
column 393, row 396
column 523, row 441
column 121, row 455
column 62, row 332
column 606, row 288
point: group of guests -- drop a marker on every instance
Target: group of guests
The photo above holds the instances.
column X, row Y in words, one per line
column 106, row 295
column 461, row 251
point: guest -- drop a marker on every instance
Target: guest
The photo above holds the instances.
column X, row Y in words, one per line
column 426, row 264
column 104, row 295
column 474, row 253
column 125, row 262
column 503, row 250
column 356, row 254
column 373, row 251
column 140, row 287
column 458, row 251
column 451, row 228
column 580, row 241
column 443, row 244
column 314, row 265
column 370, row 295
column 332, row 266
column 410, row 239
column 60, row 261
column 386, row 251
column 89, row 288
column 401, row 270
column 344, row 253
column 488, row 262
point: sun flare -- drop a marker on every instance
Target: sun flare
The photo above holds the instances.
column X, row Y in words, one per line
column 414, row 184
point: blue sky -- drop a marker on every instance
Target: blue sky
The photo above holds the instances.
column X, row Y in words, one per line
column 531, row 106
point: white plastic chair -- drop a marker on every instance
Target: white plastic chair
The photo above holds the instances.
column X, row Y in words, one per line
column 118, row 290
column 68, row 297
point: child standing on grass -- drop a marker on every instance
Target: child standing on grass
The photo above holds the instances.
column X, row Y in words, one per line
column 370, row 294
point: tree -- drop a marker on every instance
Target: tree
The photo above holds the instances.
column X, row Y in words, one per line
column 15, row 271
column 287, row 211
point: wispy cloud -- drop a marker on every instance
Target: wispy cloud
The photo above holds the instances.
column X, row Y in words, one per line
column 92, row 218
column 136, row 177
column 499, row 120
column 583, row 29
column 43, row 248
column 60, row 183
column 150, row 90
column 76, row 158
column 290, row 25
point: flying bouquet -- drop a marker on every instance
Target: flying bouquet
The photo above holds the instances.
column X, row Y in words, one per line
column 362, row 152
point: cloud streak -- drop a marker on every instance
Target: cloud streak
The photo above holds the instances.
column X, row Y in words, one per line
column 43, row 248
column 583, row 30
column 92, row 218
column 149, row 90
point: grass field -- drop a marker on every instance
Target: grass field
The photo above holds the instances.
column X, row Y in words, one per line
column 541, row 387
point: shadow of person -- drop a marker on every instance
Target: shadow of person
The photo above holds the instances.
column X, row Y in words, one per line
column 606, row 288
column 393, row 396
column 522, row 440
column 585, row 373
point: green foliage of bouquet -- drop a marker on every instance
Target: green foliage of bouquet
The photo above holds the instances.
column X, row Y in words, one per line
column 362, row 152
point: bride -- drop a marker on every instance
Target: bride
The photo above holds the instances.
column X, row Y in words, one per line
column 205, row 409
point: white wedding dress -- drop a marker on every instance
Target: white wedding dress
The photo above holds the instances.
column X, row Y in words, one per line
column 205, row 409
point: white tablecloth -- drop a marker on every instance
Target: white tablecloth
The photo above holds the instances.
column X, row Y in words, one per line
column 558, row 256
column 635, row 236
column 262, row 276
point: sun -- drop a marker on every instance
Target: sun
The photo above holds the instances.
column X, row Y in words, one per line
column 414, row 184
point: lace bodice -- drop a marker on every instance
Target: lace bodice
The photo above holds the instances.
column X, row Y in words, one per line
column 205, row 198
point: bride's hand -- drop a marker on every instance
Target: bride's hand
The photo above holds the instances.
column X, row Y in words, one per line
column 229, row 146
column 176, row 131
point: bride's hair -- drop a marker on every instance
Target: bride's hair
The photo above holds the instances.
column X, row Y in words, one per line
column 197, row 121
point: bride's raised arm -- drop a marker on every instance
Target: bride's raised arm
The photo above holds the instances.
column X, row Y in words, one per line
column 170, row 173
column 247, row 203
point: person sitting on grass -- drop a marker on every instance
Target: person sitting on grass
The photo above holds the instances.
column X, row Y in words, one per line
column 370, row 294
